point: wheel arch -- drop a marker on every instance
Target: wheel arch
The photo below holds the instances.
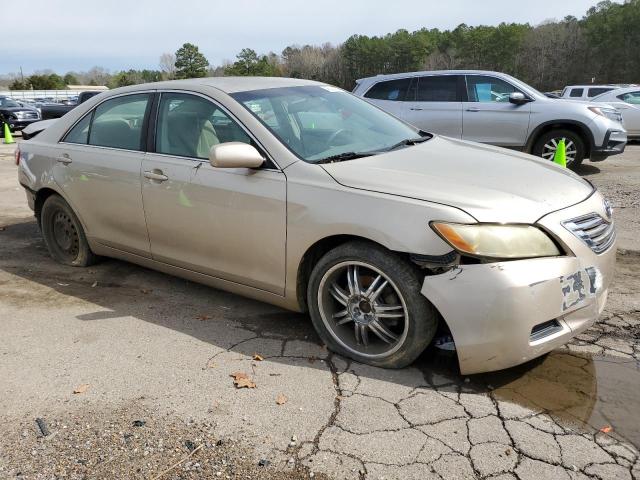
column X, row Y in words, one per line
column 313, row 254
column 41, row 197
column 572, row 125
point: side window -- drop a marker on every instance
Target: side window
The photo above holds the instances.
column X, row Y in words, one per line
column 395, row 90
column 189, row 125
column 488, row 89
column 594, row 92
column 79, row 133
column 433, row 88
column 118, row 122
column 576, row 92
column 631, row 97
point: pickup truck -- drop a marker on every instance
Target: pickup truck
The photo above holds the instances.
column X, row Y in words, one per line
column 56, row 110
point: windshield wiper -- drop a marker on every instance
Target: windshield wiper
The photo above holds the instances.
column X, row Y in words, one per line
column 408, row 142
column 345, row 156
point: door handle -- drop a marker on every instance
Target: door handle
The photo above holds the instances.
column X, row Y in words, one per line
column 156, row 175
column 64, row 159
column 416, row 109
column 473, row 109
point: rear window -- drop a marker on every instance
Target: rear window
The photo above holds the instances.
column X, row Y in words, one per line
column 594, row 92
column 394, row 90
column 576, row 92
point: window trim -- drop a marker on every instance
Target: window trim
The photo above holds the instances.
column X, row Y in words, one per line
column 271, row 164
column 144, row 128
column 582, row 89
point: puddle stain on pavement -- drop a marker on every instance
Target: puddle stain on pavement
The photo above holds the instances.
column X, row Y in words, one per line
column 587, row 391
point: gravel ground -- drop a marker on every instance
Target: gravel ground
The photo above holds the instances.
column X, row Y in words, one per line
column 137, row 345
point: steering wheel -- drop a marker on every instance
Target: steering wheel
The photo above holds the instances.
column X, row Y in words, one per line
column 335, row 135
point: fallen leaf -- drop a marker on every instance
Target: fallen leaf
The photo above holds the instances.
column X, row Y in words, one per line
column 257, row 357
column 145, row 290
column 606, row 429
column 281, row 399
column 508, row 451
column 203, row 317
column 81, row 388
column 95, row 284
column 242, row 380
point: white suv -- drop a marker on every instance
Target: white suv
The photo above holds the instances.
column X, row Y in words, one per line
column 498, row 109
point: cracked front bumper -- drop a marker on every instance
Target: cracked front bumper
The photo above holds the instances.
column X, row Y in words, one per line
column 495, row 311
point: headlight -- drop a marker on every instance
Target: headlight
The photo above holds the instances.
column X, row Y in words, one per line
column 610, row 113
column 497, row 241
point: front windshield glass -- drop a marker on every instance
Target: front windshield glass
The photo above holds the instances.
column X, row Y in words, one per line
column 318, row 122
column 8, row 103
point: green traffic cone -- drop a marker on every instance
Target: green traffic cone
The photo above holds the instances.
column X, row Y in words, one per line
column 560, row 157
column 7, row 134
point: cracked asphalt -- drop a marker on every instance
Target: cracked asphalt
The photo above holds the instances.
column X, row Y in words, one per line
column 143, row 346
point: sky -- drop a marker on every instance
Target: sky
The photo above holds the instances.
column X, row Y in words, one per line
column 118, row 35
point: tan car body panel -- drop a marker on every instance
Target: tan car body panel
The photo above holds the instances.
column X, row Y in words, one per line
column 248, row 231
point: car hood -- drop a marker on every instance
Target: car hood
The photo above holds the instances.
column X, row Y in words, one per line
column 18, row 109
column 492, row 184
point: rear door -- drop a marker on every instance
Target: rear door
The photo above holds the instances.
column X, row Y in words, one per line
column 98, row 167
column 229, row 223
column 436, row 104
column 489, row 117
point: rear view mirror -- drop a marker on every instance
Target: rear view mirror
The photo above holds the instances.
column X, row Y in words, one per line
column 235, row 155
column 518, row 98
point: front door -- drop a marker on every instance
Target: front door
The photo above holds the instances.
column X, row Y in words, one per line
column 227, row 223
column 98, row 167
column 489, row 117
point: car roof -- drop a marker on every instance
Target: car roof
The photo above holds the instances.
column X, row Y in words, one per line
column 433, row 72
column 618, row 91
column 591, row 86
column 225, row 84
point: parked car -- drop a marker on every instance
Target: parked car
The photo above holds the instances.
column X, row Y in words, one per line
column 497, row 109
column 57, row 110
column 585, row 92
column 627, row 101
column 16, row 115
column 302, row 195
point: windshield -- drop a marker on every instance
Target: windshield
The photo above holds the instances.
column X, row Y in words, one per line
column 7, row 102
column 319, row 122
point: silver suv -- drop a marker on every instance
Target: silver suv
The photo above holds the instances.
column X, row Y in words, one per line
column 498, row 109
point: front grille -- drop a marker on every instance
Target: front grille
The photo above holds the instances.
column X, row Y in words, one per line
column 593, row 230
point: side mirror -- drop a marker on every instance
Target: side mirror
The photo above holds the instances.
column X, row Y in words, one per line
column 235, row 155
column 518, row 98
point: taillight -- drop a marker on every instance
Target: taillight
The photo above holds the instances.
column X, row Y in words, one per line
column 17, row 155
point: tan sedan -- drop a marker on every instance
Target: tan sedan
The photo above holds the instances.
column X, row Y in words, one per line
column 299, row 194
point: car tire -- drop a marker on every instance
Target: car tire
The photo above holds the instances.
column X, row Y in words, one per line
column 63, row 234
column 545, row 146
column 388, row 322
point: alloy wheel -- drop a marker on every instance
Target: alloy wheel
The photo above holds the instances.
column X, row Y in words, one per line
column 549, row 149
column 363, row 309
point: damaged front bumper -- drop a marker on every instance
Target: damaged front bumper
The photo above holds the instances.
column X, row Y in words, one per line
column 506, row 313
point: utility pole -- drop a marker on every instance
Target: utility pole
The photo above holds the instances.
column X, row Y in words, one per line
column 21, row 75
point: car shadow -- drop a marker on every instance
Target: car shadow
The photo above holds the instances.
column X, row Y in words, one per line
column 587, row 169
column 561, row 384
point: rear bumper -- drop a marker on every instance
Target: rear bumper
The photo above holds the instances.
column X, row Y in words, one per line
column 614, row 143
column 497, row 313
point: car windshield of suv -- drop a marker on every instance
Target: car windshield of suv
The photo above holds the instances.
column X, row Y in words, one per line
column 8, row 103
column 321, row 123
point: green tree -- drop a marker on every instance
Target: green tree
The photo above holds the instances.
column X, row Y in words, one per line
column 190, row 63
column 248, row 63
column 70, row 79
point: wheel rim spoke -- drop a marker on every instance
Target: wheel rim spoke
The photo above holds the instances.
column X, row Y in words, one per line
column 382, row 332
column 378, row 291
column 387, row 308
column 353, row 280
column 339, row 294
column 340, row 314
column 373, row 285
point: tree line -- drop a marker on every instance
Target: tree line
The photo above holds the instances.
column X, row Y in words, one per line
column 600, row 47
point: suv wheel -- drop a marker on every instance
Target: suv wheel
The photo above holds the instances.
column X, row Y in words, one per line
column 63, row 234
column 547, row 144
column 365, row 303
